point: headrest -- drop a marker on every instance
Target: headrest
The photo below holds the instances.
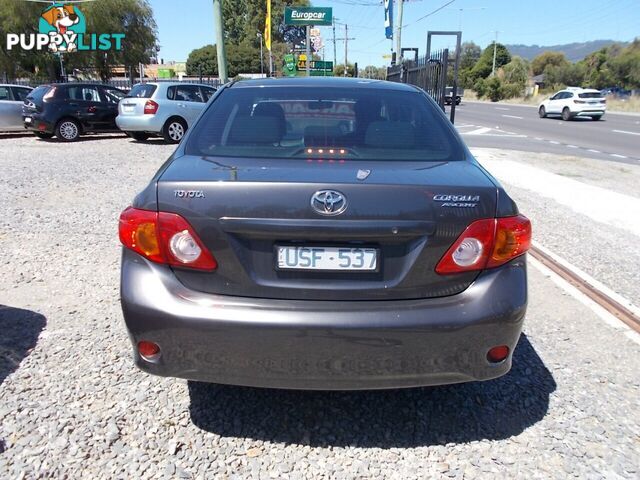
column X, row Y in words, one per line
column 261, row 130
column 390, row 135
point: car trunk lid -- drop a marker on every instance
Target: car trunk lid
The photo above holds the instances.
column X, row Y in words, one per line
column 409, row 213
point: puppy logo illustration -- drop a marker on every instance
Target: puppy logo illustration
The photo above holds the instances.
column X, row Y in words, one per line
column 62, row 23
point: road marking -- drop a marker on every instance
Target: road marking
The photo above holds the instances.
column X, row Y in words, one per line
column 540, row 139
column 618, row 156
column 513, row 116
column 501, row 108
column 554, row 142
column 623, row 131
column 572, row 146
column 594, row 151
column 479, row 131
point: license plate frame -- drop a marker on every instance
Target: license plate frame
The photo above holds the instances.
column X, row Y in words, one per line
column 28, row 120
column 328, row 249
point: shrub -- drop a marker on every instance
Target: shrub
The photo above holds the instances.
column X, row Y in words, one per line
column 511, row 90
column 480, row 87
column 494, row 89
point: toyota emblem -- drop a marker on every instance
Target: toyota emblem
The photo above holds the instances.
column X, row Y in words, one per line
column 328, row 202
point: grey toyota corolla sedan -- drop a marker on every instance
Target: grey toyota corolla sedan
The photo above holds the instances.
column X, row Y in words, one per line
column 323, row 234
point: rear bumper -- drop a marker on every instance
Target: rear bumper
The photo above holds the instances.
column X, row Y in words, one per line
column 37, row 124
column 321, row 344
column 589, row 112
column 140, row 123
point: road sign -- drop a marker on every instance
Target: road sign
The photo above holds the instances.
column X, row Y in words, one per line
column 308, row 16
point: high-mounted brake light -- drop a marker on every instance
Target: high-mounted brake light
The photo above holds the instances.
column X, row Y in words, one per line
column 487, row 243
column 164, row 238
column 150, row 107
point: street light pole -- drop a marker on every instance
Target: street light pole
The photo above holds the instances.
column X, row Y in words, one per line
column 495, row 48
column 259, row 35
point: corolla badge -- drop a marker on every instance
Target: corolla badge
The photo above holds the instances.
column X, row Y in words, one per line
column 457, row 201
column 328, row 202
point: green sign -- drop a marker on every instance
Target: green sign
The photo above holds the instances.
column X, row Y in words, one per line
column 289, row 67
column 308, row 16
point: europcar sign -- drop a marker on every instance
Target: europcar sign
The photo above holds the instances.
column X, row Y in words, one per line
column 308, row 16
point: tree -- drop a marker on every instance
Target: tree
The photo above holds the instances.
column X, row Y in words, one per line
column 469, row 55
column 540, row 63
column 516, row 71
column 484, row 65
column 134, row 18
column 203, row 61
column 338, row 70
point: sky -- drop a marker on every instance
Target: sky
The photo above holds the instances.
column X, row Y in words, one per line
column 541, row 22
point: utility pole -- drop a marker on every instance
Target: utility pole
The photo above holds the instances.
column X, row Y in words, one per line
column 399, row 31
column 335, row 58
column 495, row 48
column 220, row 50
column 308, row 30
column 346, row 48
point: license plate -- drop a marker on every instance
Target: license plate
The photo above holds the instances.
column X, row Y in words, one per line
column 127, row 107
column 327, row 258
column 27, row 119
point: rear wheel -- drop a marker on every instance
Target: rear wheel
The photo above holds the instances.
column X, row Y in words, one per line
column 566, row 114
column 43, row 135
column 68, row 130
column 542, row 112
column 174, row 130
column 596, row 117
column 139, row 136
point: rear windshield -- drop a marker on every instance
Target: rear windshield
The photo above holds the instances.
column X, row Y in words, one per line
column 300, row 122
column 142, row 91
column 38, row 92
column 590, row 95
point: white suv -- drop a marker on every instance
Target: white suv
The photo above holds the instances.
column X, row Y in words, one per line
column 574, row 102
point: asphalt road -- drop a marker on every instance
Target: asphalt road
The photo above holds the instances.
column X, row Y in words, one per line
column 615, row 138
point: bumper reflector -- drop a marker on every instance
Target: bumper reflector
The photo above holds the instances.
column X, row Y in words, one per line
column 498, row 354
column 148, row 350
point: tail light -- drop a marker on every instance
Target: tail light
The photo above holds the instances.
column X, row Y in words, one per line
column 603, row 100
column 150, row 107
column 164, row 238
column 579, row 101
column 487, row 243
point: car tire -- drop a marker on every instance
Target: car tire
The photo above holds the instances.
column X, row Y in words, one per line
column 595, row 118
column 542, row 112
column 43, row 135
column 566, row 114
column 174, row 129
column 138, row 136
column 67, row 130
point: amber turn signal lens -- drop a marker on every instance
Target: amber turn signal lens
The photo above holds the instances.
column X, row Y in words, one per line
column 146, row 240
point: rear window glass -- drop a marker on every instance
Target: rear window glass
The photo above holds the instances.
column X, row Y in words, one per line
column 39, row 92
column 590, row 95
column 298, row 122
column 142, row 91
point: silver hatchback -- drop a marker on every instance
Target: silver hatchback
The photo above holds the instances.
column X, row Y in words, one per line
column 163, row 108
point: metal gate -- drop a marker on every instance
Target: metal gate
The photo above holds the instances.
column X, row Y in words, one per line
column 429, row 72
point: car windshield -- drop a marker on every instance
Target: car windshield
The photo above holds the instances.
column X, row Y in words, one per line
column 298, row 122
column 142, row 91
column 590, row 95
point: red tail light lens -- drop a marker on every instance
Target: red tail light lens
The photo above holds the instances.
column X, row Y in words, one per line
column 150, row 107
column 487, row 243
column 164, row 238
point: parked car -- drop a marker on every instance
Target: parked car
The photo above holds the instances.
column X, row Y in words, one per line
column 164, row 108
column 11, row 98
column 574, row 102
column 448, row 95
column 276, row 249
column 617, row 92
column 68, row 110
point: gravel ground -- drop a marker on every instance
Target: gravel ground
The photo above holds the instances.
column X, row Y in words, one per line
column 606, row 253
column 73, row 406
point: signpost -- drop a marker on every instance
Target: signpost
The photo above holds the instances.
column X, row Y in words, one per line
column 303, row 16
column 308, row 17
